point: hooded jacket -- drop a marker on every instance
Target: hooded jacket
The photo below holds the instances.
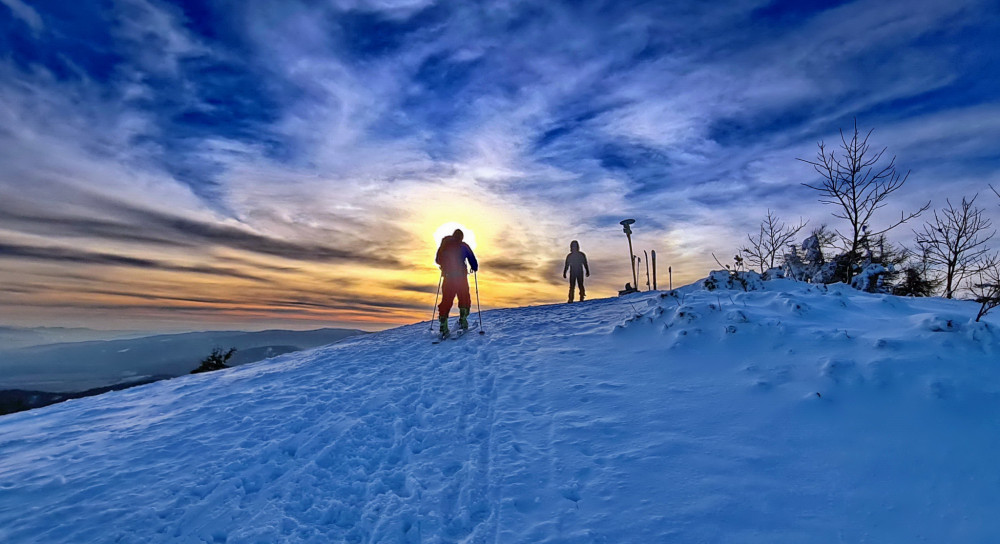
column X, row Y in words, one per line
column 451, row 256
column 576, row 261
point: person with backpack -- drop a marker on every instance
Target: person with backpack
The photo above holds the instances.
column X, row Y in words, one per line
column 451, row 257
column 576, row 264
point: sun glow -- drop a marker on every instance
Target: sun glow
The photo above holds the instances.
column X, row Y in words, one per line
column 494, row 229
column 448, row 228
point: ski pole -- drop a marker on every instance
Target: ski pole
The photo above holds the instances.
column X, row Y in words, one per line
column 434, row 309
column 479, row 309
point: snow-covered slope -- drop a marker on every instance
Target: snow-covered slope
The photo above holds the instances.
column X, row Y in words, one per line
column 793, row 414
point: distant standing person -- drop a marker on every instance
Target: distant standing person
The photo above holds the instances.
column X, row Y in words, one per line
column 451, row 256
column 576, row 264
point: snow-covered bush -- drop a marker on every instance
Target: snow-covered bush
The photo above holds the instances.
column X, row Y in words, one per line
column 807, row 263
column 879, row 251
column 874, row 270
column 794, row 267
column 813, row 251
column 829, row 272
column 775, row 273
column 735, row 275
column 728, row 279
column 870, row 279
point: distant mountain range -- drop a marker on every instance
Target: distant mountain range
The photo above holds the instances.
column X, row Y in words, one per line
column 79, row 366
column 22, row 337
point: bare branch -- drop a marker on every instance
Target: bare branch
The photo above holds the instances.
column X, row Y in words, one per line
column 956, row 242
column 903, row 219
column 772, row 237
column 987, row 288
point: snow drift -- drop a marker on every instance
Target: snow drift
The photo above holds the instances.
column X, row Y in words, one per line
column 792, row 413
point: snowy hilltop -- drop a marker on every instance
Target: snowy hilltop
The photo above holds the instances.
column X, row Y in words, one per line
column 790, row 413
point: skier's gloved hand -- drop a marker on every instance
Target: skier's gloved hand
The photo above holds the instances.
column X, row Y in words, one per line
column 588, row 274
column 564, row 275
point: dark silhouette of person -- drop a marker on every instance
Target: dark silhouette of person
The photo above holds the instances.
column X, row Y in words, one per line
column 451, row 257
column 576, row 263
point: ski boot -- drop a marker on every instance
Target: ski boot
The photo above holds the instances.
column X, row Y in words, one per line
column 463, row 318
column 444, row 326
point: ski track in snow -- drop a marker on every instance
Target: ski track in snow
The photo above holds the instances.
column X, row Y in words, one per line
column 777, row 416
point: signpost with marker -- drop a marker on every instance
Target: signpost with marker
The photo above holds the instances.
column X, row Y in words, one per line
column 631, row 257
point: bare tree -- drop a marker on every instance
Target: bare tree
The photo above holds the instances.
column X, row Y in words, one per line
column 987, row 288
column 858, row 186
column 771, row 239
column 956, row 241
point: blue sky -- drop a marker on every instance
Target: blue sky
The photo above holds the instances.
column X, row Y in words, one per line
column 210, row 164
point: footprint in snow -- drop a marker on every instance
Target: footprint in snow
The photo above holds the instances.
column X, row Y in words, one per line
column 571, row 492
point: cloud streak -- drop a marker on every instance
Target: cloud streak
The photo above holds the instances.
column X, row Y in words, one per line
column 72, row 256
column 25, row 13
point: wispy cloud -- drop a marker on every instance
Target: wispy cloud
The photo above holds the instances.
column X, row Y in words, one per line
column 73, row 256
column 25, row 13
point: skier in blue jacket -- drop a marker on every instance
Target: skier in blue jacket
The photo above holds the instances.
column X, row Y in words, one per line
column 451, row 257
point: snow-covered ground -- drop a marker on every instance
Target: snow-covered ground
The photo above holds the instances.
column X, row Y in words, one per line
column 794, row 414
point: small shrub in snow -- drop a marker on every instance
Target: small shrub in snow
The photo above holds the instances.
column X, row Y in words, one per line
column 811, row 248
column 685, row 314
column 808, row 263
column 737, row 316
column 870, row 279
column 734, row 275
column 728, row 279
column 916, row 283
column 775, row 273
column 834, row 271
column 216, row 361
column 711, row 283
column 794, row 267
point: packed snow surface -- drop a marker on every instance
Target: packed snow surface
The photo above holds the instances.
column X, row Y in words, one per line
column 793, row 414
